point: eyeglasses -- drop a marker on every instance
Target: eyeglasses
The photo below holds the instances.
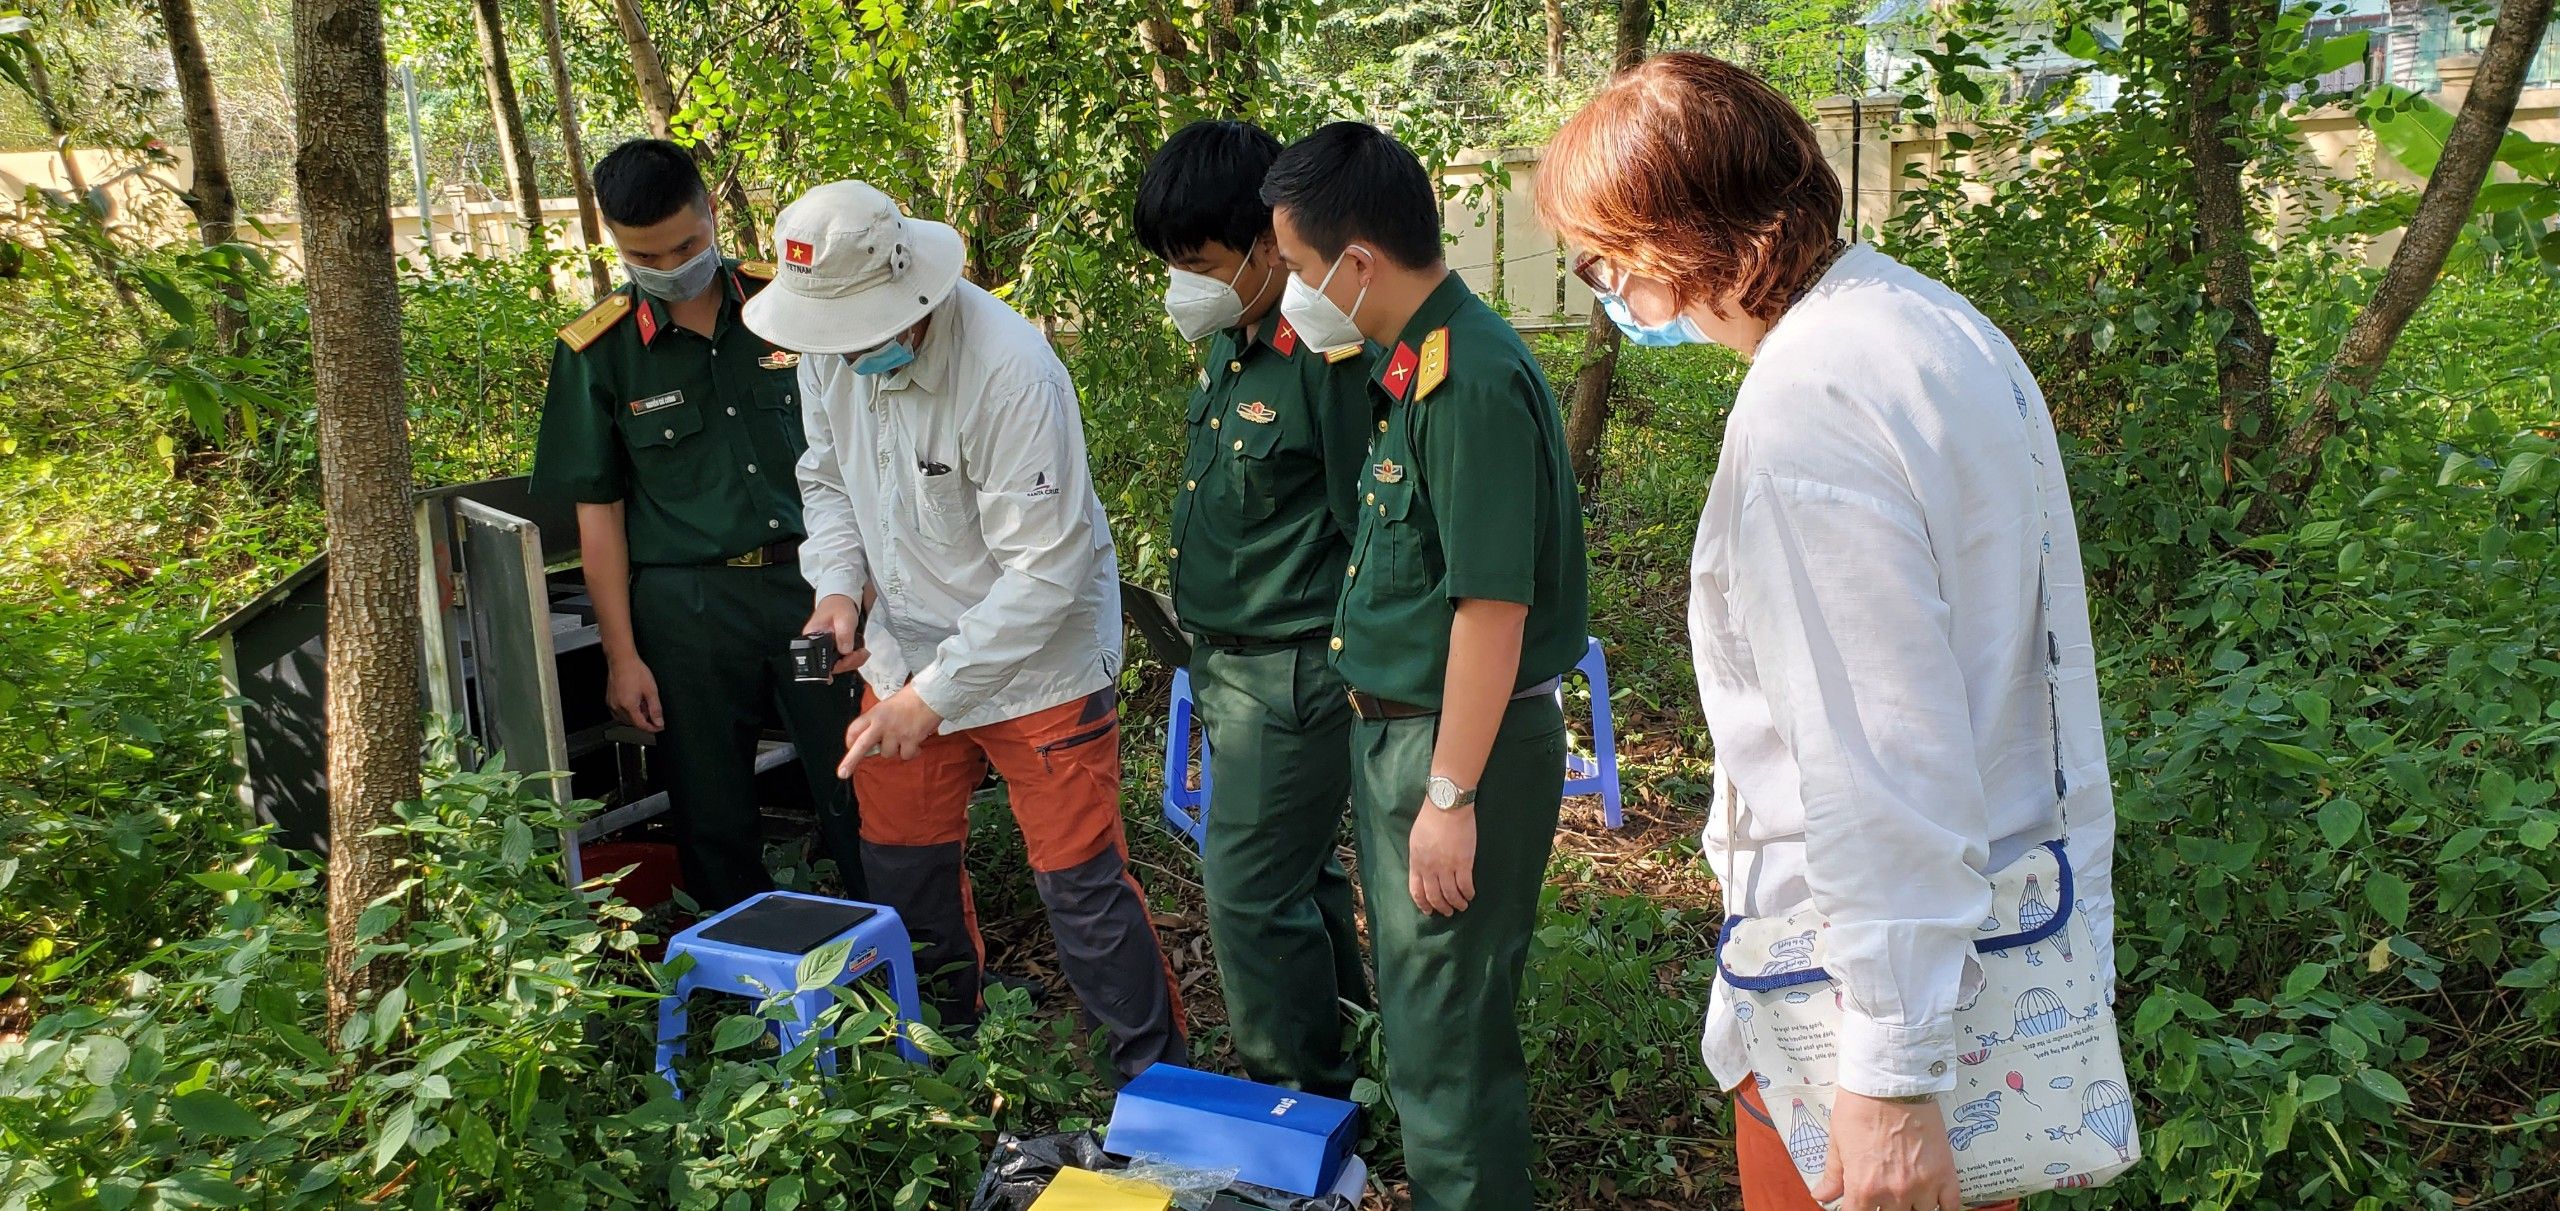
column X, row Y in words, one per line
column 1593, row 270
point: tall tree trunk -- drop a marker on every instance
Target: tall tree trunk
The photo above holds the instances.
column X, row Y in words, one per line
column 1231, row 59
column 209, row 195
column 498, row 77
column 573, row 148
column 744, row 236
column 658, row 102
column 342, row 178
column 1555, row 40
column 1166, row 50
column 2443, row 210
column 657, row 96
column 1587, row 414
column 2221, row 92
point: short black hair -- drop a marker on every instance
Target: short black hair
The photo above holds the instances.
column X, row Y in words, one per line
column 1204, row 187
column 1351, row 182
column 646, row 181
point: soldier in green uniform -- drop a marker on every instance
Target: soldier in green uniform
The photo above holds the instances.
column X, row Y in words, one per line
column 1464, row 603
column 675, row 429
column 1262, row 525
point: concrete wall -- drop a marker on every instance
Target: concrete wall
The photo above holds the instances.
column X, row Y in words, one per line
column 1874, row 156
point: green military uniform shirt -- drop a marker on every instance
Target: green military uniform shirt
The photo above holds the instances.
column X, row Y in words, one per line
column 1269, row 497
column 1468, row 494
column 700, row 435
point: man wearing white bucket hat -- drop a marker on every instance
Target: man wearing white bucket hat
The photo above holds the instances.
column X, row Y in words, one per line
column 962, row 561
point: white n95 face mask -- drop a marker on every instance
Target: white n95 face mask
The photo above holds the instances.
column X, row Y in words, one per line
column 1323, row 325
column 1199, row 304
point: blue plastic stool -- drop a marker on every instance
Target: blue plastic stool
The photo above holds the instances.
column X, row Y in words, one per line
column 1598, row 773
column 736, row 970
column 1186, row 811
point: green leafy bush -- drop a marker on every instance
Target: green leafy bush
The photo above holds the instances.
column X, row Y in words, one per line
column 510, row 1067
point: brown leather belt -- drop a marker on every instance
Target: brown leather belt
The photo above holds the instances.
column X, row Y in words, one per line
column 767, row 555
column 1372, row 707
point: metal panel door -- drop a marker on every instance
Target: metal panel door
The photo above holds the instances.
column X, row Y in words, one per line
column 514, row 673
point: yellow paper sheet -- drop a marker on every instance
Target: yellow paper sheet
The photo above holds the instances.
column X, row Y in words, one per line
column 1083, row 1190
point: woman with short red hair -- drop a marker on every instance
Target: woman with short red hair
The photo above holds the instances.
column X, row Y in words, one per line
column 1887, row 615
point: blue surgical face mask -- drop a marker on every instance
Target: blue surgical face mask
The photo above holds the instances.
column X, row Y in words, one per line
column 883, row 358
column 1681, row 330
column 680, row 284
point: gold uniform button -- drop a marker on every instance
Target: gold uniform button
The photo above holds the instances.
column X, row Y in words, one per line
column 1373, row 499
column 1191, row 485
column 1173, row 552
column 1213, row 422
column 1337, row 643
column 1382, row 426
column 1239, row 445
column 1234, row 367
column 1353, row 570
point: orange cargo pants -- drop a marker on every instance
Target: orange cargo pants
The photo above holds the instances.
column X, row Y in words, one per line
column 1061, row 769
column 1770, row 1179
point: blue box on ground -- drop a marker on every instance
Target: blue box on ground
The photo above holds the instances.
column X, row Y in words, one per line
column 1270, row 1136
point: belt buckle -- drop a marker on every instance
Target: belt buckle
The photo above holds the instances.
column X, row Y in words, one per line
column 1357, row 709
column 752, row 559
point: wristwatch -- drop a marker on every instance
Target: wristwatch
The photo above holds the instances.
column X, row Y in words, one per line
column 1445, row 795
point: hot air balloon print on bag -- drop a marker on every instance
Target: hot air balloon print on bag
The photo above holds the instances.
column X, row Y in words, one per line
column 2040, row 1013
column 2107, row 1110
column 1808, row 1142
column 2034, row 911
column 1742, row 1012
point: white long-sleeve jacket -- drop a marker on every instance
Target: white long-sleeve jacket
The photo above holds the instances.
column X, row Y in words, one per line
column 957, row 486
column 1886, row 543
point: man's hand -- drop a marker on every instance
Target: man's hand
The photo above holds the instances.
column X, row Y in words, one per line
column 896, row 728
column 631, row 692
column 1888, row 1156
column 1440, row 865
column 839, row 616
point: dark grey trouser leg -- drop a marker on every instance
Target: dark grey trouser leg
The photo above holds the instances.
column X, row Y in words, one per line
column 1108, row 948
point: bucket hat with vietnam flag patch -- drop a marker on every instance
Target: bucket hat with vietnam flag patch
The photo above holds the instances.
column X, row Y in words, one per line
column 854, row 271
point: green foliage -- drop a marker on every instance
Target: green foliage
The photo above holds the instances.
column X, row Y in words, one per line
column 507, row 1069
column 2513, row 217
column 111, row 786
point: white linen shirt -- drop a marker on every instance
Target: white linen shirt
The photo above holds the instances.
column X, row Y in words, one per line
column 957, row 487
column 1870, row 644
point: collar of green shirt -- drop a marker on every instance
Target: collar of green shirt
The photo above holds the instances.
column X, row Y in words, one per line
column 656, row 318
column 1434, row 312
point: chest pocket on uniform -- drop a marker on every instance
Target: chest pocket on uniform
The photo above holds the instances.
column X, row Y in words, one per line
column 779, row 389
column 1397, row 552
column 656, row 431
column 1254, row 446
column 1196, row 438
column 946, row 509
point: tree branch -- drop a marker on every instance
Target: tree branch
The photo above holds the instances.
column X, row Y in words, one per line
column 2443, row 210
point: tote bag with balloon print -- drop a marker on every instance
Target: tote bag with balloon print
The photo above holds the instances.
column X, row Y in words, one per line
column 2040, row 1101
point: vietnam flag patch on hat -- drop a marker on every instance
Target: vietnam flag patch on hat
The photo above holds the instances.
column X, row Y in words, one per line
column 799, row 252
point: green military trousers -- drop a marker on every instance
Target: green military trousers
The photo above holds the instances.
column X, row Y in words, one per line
column 1280, row 911
column 1449, row 987
column 718, row 640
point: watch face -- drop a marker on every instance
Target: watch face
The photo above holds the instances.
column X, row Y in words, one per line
column 1443, row 793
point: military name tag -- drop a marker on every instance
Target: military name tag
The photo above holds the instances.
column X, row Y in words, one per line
column 643, row 407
